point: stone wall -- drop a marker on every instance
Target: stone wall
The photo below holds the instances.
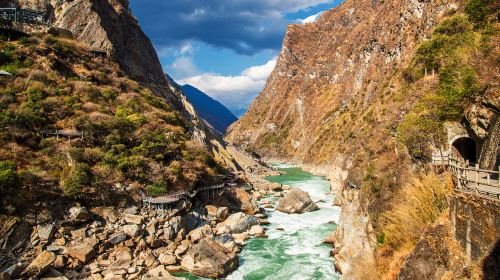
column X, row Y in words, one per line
column 475, row 224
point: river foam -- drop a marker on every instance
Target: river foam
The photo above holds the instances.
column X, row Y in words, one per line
column 294, row 249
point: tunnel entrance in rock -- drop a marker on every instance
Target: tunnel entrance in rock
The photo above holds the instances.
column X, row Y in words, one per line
column 466, row 148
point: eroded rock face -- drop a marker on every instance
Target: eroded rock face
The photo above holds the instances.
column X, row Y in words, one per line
column 110, row 26
column 331, row 67
column 296, row 201
column 209, row 259
column 354, row 239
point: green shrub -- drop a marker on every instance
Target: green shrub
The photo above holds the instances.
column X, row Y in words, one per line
column 76, row 153
column 8, row 176
column 478, row 11
column 133, row 167
column 35, row 93
column 450, row 34
column 7, row 97
column 157, row 188
column 418, row 133
column 453, row 25
column 457, row 85
column 30, row 115
column 79, row 178
column 155, row 101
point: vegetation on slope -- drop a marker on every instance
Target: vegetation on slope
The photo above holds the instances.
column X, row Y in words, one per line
column 454, row 43
column 130, row 135
column 459, row 50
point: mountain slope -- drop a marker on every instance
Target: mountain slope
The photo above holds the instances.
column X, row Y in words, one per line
column 124, row 133
column 212, row 111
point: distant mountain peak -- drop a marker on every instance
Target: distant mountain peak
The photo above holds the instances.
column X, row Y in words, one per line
column 209, row 109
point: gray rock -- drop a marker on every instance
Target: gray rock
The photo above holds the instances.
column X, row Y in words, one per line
column 45, row 232
column 239, row 222
column 131, row 230
column 199, row 233
column 117, row 238
column 131, row 210
column 79, row 214
column 12, row 271
column 296, row 201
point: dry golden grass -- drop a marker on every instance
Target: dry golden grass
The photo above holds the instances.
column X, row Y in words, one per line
column 418, row 205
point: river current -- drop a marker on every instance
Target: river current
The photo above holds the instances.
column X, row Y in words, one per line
column 294, row 249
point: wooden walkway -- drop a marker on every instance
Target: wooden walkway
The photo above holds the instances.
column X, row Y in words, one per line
column 470, row 178
column 22, row 16
column 163, row 202
column 65, row 133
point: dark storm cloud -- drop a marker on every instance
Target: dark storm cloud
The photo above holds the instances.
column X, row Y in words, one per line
column 245, row 26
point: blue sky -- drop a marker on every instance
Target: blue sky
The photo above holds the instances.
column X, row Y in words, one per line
column 226, row 48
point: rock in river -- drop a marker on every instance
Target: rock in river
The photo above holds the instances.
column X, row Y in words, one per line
column 296, row 201
column 209, row 259
column 239, row 222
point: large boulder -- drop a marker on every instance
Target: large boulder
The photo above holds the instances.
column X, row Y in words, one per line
column 108, row 213
column 209, row 259
column 133, row 219
column 39, row 265
column 79, row 214
column 296, row 201
column 240, row 200
column 159, row 272
column 131, row 230
column 239, row 222
column 82, row 251
column 199, row 233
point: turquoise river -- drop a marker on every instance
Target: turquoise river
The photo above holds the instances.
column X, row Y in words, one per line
column 294, row 249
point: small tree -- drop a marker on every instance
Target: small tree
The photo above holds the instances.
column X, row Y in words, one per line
column 78, row 179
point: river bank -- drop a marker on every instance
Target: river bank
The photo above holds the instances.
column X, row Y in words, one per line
column 236, row 230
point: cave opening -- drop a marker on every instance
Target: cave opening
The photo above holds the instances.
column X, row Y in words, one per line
column 466, row 148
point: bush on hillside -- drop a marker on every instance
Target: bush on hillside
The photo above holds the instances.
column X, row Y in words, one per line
column 478, row 10
column 457, row 24
column 157, row 188
column 8, row 176
column 457, row 85
column 78, row 180
column 419, row 133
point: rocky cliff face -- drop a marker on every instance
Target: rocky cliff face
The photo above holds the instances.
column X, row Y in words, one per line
column 339, row 64
column 106, row 25
column 338, row 93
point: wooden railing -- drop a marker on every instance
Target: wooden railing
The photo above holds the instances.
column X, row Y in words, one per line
column 66, row 133
column 22, row 16
column 159, row 202
column 470, row 177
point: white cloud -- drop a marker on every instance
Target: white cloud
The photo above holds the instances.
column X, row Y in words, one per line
column 187, row 48
column 182, row 67
column 310, row 19
column 236, row 92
